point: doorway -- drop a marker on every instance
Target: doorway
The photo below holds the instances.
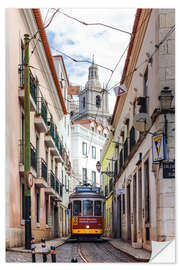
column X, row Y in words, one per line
column 56, row 223
column 134, row 209
column 129, row 211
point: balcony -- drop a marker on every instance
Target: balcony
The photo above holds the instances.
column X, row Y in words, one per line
column 21, row 158
column 40, row 117
column 42, row 176
column 54, row 189
column 33, row 89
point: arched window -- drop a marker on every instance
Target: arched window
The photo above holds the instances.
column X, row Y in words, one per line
column 98, row 101
column 84, row 104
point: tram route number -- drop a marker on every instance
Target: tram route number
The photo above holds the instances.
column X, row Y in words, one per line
column 75, row 220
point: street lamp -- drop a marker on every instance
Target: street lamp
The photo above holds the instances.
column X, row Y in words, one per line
column 98, row 167
column 165, row 100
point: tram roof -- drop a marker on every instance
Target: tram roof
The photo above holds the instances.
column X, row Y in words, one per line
column 86, row 195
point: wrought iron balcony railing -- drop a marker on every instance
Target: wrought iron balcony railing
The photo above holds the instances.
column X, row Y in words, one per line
column 42, row 109
column 33, row 157
column 33, row 83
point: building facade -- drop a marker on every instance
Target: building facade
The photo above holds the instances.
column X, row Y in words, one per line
column 88, row 138
column 108, row 165
column 64, row 129
column 144, row 191
column 47, row 109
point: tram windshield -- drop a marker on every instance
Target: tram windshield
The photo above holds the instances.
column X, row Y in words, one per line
column 88, row 208
column 97, row 208
column 77, row 208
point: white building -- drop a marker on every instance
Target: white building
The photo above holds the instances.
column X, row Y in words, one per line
column 64, row 128
column 88, row 138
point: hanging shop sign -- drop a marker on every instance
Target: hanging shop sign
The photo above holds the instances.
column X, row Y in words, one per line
column 169, row 169
column 158, row 147
column 74, row 90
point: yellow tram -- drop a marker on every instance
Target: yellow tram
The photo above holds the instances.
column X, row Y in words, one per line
column 86, row 212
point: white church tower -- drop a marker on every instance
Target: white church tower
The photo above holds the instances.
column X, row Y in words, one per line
column 93, row 101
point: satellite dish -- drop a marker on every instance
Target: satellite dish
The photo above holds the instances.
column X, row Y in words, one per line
column 142, row 122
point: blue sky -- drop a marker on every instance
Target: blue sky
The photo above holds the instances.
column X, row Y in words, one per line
column 81, row 42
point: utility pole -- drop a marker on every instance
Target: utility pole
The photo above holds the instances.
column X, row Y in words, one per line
column 27, row 158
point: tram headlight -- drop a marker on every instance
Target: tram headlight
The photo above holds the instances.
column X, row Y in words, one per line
column 87, row 226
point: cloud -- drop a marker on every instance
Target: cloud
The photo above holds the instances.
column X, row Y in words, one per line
column 81, row 42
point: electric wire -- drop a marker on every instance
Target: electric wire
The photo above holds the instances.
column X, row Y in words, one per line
column 89, row 24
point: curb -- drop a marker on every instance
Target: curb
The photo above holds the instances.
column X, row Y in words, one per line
column 131, row 255
column 21, row 250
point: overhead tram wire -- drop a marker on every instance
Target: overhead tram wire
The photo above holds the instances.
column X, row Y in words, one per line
column 157, row 46
column 147, row 16
column 91, row 24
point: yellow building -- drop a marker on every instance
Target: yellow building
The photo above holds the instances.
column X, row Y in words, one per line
column 107, row 179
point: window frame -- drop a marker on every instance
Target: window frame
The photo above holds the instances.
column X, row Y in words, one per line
column 94, row 152
column 84, row 148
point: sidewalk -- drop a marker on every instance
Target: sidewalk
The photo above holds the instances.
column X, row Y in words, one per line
column 139, row 254
column 54, row 242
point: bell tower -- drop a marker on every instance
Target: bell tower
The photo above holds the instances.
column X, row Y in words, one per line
column 93, row 101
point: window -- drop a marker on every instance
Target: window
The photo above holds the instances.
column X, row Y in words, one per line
column 97, row 208
column 84, row 172
column 56, row 169
column 123, row 204
column 98, row 101
column 87, row 208
column 93, row 152
column 93, row 177
column 132, row 138
column 147, row 192
column 84, row 102
column 84, row 148
column 92, row 129
column 105, row 135
column 37, row 206
column 121, row 159
column 52, row 163
column 126, row 149
column 77, row 208
column 100, row 153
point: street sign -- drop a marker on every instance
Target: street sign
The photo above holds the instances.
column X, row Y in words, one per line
column 120, row 191
column 158, row 147
column 29, row 179
column 169, row 169
column 120, row 90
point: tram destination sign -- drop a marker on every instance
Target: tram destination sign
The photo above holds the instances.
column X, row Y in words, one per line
column 88, row 189
column 168, row 169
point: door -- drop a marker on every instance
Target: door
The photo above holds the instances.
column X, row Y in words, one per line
column 129, row 211
column 134, row 210
column 56, row 223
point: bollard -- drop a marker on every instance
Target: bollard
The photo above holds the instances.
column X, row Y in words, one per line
column 53, row 254
column 74, row 260
column 33, row 246
column 44, row 255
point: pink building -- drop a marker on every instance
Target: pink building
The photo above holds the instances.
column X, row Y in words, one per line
column 47, row 109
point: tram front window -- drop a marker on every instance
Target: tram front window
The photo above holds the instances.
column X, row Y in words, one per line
column 97, row 208
column 77, row 208
column 87, row 208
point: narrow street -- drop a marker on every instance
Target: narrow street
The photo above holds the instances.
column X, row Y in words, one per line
column 85, row 252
